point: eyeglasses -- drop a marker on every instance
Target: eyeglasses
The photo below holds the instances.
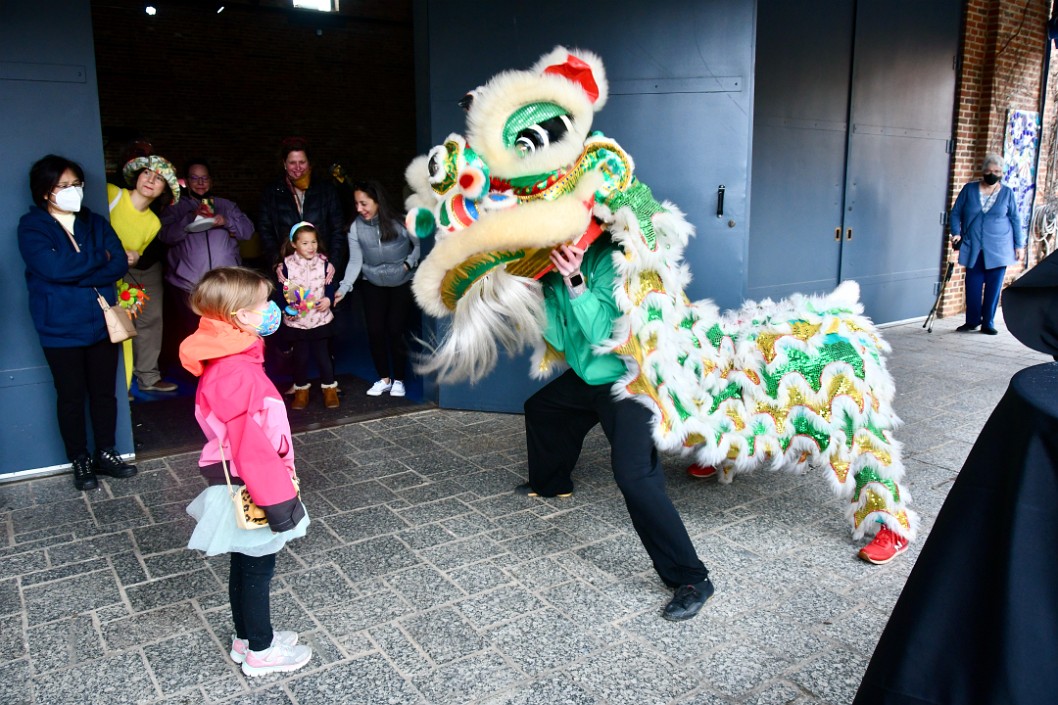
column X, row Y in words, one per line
column 198, row 179
column 60, row 186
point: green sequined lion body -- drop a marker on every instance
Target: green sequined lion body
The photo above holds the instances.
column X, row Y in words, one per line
column 795, row 384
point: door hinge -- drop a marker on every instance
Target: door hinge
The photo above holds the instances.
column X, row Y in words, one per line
column 949, row 146
column 944, row 218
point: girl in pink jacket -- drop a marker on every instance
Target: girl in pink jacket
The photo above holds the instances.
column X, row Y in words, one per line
column 245, row 423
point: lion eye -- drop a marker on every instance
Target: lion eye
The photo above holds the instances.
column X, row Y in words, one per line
column 534, row 137
column 436, row 164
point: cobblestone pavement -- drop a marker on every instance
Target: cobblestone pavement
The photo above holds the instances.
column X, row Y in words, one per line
column 425, row 580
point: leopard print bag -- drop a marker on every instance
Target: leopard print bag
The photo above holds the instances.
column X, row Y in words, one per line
column 247, row 514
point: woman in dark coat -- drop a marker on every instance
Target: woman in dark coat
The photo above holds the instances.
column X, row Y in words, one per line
column 71, row 254
column 986, row 228
column 300, row 195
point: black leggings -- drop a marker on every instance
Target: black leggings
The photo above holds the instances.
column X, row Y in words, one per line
column 387, row 310
column 320, row 349
column 249, row 582
column 86, row 371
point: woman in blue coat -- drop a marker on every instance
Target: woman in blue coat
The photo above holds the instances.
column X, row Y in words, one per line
column 986, row 229
column 71, row 253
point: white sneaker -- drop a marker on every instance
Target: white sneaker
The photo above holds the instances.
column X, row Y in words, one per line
column 276, row 658
column 239, row 647
column 379, row 388
column 397, row 389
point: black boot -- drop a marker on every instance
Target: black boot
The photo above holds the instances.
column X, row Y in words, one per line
column 83, row 477
column 108, row 462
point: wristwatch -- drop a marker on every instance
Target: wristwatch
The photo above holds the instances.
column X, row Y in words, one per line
column 575, row 280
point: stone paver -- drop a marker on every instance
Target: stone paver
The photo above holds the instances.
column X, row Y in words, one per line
column 425, row 581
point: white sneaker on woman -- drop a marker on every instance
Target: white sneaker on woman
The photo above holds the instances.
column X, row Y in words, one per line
column 379, row 388
column 397, row 389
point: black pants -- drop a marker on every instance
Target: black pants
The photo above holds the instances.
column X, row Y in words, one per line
column 80, row 373
column 249, row 582
column 556, row 420
column 387, row 311
column 318, row 349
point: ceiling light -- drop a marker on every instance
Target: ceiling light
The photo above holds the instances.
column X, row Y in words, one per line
column 150, row 10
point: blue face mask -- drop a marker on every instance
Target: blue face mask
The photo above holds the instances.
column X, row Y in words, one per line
column 270, row 319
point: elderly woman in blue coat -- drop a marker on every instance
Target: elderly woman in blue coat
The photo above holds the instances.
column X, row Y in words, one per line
column 986, row 229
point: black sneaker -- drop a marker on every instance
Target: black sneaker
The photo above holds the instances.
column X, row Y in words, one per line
column 108, row 462
column 526, row 490
column 989, row 330
column 83, row 477
column 965, row 328
column 687, row 601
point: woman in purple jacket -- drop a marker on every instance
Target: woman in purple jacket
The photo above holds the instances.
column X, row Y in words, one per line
column 203, row 233
column 986, row 229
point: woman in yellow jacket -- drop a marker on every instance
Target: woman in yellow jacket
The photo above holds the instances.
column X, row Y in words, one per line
column 136, row 224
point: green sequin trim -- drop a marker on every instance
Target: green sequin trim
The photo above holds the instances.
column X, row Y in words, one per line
column 532, row 114
column 869, row 474
column 803, row 426
column 730, row 391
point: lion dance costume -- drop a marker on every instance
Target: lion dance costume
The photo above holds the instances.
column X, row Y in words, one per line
column 796, row 384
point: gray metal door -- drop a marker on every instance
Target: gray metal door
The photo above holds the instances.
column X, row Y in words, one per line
column 681, row 101
column 852, row 117
column 48, row 90
column 896, row 190
column 804, row 60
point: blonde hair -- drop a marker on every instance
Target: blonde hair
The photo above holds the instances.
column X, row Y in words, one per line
column 224, row 290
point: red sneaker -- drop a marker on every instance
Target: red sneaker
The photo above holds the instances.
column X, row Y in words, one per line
column 703, row 471
column 886, row 546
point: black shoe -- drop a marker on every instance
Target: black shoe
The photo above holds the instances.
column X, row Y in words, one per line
column 108, row 462
column 687, row 601
column 527, row 491
column 965, row 328
column 988, row 330
column 83, row 477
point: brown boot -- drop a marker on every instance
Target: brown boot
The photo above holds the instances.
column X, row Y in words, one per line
column 330, row 396
column 301, row 398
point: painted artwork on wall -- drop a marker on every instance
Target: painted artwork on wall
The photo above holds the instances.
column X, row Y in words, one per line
column 1020, row 144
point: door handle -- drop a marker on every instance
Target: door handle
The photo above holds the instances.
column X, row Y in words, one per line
column 837, row 234
column 848, row 234
column 720, row 201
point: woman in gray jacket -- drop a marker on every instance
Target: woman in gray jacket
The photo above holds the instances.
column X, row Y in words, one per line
column 382, row 257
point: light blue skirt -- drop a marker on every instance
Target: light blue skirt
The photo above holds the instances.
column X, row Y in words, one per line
column 218, row 533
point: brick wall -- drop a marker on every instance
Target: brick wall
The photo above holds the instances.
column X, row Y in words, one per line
column 1003, row 58
column 230, row 86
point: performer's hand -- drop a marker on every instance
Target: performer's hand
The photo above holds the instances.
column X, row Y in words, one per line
column 338, row 298
column 220, row 221
column 1020, row 254
column 567, row 259
column 324, row 304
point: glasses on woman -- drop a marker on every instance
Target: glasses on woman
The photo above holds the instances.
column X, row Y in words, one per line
column 198, row 179
column 63, row 184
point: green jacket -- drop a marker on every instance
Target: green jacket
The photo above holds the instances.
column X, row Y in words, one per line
column 575, row 325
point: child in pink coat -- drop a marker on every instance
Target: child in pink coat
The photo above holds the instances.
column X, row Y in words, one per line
column 245, row 423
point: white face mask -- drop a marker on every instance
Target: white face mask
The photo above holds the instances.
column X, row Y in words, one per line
column 69, row 199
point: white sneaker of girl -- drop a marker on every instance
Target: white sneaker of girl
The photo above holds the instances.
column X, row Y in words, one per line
column 276, row 658
column 397, row 388
column 239, row 647
column 379, row 387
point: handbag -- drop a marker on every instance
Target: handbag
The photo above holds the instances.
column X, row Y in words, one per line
column 119, row 325
column 247, row 514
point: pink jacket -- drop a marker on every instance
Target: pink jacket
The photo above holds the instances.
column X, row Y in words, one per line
column 237, row 405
